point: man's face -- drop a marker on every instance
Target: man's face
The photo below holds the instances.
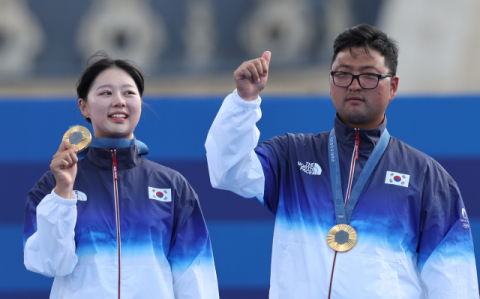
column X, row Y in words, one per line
column 356, row 106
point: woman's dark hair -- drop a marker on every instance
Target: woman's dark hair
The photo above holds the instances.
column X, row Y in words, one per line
column 99, row 62
column 367, row 36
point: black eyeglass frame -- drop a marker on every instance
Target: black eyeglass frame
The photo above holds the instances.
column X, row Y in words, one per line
column 358, row 78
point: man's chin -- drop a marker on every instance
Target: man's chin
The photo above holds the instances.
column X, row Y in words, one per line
column 353, row 118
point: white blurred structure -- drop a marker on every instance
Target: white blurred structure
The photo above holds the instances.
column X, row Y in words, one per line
column 284, row 27
column 439, row 43
column 21, row 37
column 126, row 28
column 200, row 33
column 338, row 17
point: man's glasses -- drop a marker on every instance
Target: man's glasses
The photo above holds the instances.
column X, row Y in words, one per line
column 366, row 81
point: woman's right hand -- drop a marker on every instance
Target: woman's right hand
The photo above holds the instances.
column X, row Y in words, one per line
column 251, row 77
column 64, row 168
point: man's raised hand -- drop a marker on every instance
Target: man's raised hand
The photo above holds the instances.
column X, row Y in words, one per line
column 251, row 77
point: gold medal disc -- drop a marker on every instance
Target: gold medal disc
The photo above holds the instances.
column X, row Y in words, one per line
column 342, row 237
column 80, row 137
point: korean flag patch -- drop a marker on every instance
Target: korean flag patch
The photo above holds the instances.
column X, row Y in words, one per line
column 160, row 194
column 399, row 179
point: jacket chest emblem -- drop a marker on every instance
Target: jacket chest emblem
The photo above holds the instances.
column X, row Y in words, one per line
column 80, row 195
column 160, row 194
column 396, row 178
column 310, row 168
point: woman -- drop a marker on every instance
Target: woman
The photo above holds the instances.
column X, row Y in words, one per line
column 114, row 224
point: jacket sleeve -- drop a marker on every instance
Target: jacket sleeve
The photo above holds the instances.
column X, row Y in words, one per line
column 190, row 255
column 446, row 257
column 49, row 246
column 273, row 158
column 233, row 136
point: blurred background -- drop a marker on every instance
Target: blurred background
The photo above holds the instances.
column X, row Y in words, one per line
column 188, row 50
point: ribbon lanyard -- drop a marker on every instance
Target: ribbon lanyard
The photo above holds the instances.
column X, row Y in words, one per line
column 116, row 143
column 343, row 212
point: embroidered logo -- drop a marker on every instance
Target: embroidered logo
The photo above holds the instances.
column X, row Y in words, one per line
column 395, row 178
column 310, row 168
column 464, row 219
column 80, row 195
column 160, row 194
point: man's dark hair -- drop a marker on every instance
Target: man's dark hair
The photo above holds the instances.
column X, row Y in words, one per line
column 366, row 36
column 101, row 62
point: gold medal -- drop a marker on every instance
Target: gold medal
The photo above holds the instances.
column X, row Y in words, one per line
column 342, row 237
column 80, row 137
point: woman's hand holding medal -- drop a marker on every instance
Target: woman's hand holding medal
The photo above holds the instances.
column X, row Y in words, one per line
column 64, row 168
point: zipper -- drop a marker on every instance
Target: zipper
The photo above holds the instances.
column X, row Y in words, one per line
column 331, row 277
column 117, row 215
column 352, row 164
column 347, row 196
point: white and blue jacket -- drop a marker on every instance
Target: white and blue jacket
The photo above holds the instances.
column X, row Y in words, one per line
column 133, row 229
column 414, row 238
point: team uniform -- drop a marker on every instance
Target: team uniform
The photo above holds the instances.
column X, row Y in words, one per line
column 414, row 238
column 133, row 229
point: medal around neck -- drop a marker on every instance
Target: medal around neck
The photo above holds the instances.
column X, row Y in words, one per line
column 79, row 136
column 342, row 237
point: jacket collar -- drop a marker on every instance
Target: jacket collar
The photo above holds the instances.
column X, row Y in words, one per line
column 127, row 157
column 368, row 138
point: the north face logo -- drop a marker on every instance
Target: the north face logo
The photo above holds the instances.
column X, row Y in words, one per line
column 310, row 168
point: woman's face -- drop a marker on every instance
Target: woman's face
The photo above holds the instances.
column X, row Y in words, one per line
column 113, row 104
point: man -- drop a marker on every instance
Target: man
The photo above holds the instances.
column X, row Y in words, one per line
column 359, row 214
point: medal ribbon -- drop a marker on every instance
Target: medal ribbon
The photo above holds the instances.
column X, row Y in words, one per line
column 343, row 213
column 116, row 143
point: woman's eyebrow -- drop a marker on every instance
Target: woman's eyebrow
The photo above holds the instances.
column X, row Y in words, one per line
column 112, row 86
column 104, row 85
